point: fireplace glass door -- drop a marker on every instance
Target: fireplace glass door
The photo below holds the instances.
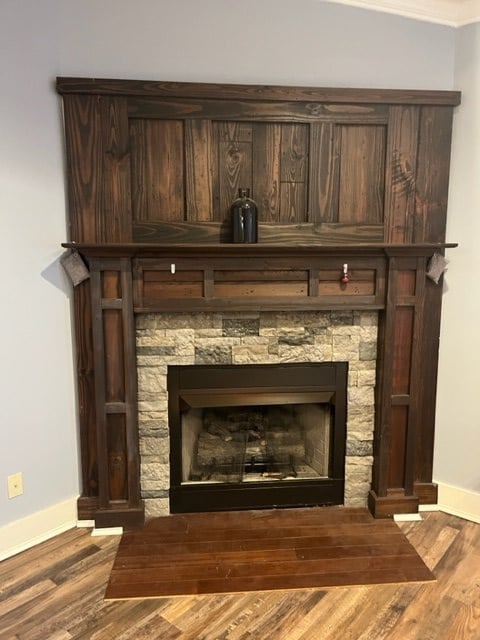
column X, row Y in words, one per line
column 256, row 435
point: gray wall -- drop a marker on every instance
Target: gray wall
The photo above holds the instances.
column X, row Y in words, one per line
column 270, row 41
column 457, row 449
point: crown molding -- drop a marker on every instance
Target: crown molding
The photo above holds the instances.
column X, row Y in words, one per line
column 454, row 13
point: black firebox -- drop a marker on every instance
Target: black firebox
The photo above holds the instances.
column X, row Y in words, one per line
column 257, row 436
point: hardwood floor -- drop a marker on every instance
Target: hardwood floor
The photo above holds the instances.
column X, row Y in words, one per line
column 264, row 550
column 55, row 592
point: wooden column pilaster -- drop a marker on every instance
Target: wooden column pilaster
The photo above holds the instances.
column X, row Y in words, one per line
column 113, row 327
column 398, row 388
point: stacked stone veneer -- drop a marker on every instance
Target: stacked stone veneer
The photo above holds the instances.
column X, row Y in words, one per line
column 253, row 338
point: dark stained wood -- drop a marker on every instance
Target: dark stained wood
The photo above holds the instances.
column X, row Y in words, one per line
column 362, row 174
column 394, row 502
column 254, row 111
column 211, row 232
column 84, row 149
column 115, row 392
column 323, row 548
column 433, row 164
column 159, row 163
column 67, row 85
column 114, row 217
column 266, row 176
column 157, row 169
column 198, row 170
column 402, row 350
column 427, row 381
column 324, row 173
column 398, row 446
column 400, row 176
column 86, row 388
column 264, row 280
column 256, row 251
column 232, row 162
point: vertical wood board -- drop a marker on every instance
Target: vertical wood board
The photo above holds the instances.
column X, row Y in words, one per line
column 401, row 167
column 362, row 174
column 198, row 170
column 157, row 149
column 114, row 219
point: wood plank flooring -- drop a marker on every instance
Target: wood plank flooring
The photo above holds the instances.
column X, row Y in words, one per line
column 55, row 591
column 231, row 552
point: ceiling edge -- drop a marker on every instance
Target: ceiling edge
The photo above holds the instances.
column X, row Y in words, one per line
column 453, row 13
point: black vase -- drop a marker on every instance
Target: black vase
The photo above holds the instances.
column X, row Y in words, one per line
column 244, row 218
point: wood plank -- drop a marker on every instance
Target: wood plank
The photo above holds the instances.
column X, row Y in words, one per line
column 228, row 570
column 198, row 170
column 272, row 92
column 287, row 234
column 324, row 169
column 267, row 140
column 400, row 179
column 157, row 161
column 114, row 218
column 362, row 174
column 236, row 110
column 433, row 165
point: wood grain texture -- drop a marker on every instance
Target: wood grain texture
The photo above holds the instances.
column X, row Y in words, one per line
column 254, row 92
column 56, row 589
column 318, row 548
column 362, row 174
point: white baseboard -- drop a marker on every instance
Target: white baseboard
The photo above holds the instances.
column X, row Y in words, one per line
column 38, row 527
column 458, row 502
column 407, row 517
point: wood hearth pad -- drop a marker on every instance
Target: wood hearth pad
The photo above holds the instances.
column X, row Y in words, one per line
column 242, row 551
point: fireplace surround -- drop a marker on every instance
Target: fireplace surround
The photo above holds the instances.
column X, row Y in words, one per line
column 352, row 177
column 274, row 339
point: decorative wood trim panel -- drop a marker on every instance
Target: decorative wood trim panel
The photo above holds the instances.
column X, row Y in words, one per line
column 98, row 86
column 115, row 386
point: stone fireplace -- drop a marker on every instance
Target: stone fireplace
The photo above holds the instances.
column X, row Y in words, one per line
column 163, row 340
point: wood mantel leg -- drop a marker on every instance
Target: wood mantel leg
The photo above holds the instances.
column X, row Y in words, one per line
column 119, row 501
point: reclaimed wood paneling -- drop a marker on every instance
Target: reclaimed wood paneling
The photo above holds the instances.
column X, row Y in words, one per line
column 117, row 457
column 255, row 92
column 266, row 177
column 246, row 110
column 113, row 348
column 233, row 164
column 114, row 217
column 400, row 176
column 362, row 174
column 86, row 388
column 84, row 156
column 324, row 179
column 433, row 164
column 157, row 151
column 287, row 234
column 198, row 170
column 398, row 446
column 294, row 173
column 402, row 349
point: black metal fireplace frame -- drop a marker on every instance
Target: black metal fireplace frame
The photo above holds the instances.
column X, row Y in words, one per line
column 305, row 377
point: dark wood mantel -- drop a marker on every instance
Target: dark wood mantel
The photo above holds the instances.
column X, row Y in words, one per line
column 254, row 250
column 357, row 176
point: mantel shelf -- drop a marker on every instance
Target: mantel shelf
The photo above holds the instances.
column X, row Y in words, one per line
column 257, row 250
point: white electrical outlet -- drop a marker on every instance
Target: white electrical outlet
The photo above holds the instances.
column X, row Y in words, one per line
column 15, row 485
